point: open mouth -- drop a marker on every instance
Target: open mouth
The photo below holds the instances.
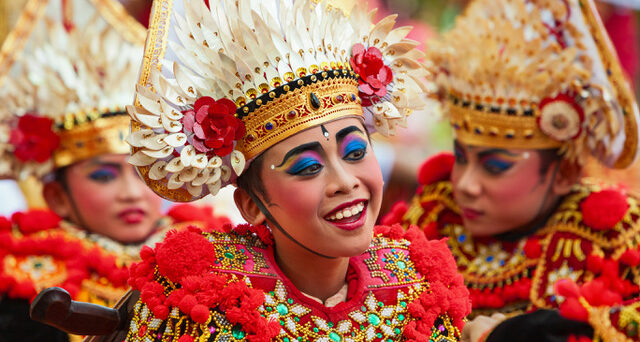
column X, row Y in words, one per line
column 348, row 216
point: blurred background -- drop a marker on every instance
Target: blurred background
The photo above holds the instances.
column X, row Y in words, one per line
column 427, row 132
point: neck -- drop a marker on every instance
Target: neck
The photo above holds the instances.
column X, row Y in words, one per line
column 312, row 274
column 538, row 222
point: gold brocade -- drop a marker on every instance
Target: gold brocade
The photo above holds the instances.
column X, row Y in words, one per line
column 102, row 136
column 293, row 112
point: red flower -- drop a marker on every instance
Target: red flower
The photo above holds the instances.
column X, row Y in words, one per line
column 214, row 125
column 34, row 139
column 374, row 74
column 602, row 210
column 436, row 168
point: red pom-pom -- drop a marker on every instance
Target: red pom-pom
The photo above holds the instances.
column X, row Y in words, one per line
column 186, row 338
column 604, row 209
column 200, row 313
column 630, row 257
column 187, row 303
column 595, row 263
column 431, row 231
column 160, row 311
column 572, row 309
column 567, row 288
column 35, row 220
column 396, row 214
column 436, row 169
column 184, row 253
column 5, row 224
column 23, row 290
column 533, row 249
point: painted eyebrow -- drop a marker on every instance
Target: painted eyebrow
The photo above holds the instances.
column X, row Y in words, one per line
column 104, row 163
column 345, row 131
column 496, row 151
column 312, row 146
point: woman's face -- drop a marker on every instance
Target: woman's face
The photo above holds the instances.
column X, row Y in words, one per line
column 111, row 200
column 499, row 190
column 324, row 187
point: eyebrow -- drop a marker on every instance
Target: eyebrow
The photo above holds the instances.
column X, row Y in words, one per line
column 345, row 131
column 104, row 163
column 497, row 151
column 312, row 146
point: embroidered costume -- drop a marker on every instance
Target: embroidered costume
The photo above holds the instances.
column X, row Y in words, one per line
column 236, row 291
column 266, row 71
column 535, row 75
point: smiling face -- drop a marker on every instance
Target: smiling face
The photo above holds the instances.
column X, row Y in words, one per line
column 324, row 187
column 105, row 196
column 501, row 190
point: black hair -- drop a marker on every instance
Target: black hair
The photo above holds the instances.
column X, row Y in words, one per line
column 251, row 179
column 60, row 176
column 547, row 157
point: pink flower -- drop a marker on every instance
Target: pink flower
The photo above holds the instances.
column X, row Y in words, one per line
column 374, row 74
column 34, row 139
column 214, row 126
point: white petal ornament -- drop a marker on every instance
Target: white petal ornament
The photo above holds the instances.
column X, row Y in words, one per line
column 176, row 139
column 237, row 162
column 158, row 170
column 187, row 154
column 141, row 159
column 175, row 165
column 174, row 182
column 560, row 118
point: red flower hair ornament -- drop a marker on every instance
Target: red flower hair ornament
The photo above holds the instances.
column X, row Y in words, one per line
column 375, row 76
column 33, row 139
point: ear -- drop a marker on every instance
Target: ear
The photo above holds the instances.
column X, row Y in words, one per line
column 567, row 176
column 248, row 209
column 57, row 199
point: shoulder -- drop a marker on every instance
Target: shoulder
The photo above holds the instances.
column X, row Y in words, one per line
column 433, row 261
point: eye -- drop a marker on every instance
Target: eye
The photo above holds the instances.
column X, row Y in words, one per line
column 459, row 156
column 496, row 166
column 103, row 175
column 355, row 150
column 305, row 167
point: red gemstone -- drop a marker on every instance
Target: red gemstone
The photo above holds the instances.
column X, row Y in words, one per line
column 251, row 138
column 142, row 330
column 291, row 115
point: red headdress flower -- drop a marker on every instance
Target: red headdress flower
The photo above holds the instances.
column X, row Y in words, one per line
column 374, row 74
column 214, row 126
column 34, row 139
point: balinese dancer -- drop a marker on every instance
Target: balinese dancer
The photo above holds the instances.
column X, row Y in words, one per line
column 279, row 97
column 532, row 88
column 67, row 73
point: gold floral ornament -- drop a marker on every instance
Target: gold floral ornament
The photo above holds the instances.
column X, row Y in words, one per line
column 66, row 75
column 221, row 84
column 537, row 74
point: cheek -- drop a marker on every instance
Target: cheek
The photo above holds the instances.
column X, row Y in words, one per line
column 92, row 199
column 296, row 198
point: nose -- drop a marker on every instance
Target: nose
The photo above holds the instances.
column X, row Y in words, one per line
column 341, row 180
column 468, row 182
column 132, row 188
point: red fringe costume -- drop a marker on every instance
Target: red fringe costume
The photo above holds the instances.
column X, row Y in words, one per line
column 593, row 234
column 226, row 286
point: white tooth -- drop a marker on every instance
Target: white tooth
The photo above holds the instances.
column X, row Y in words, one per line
column 361, row 205
column 332, row 218
column 354, row 211
column 346, row 213
column 339, row 216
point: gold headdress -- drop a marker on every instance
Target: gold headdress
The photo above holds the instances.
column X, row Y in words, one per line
column 244, row 75
column 537, row 74
column 67, row 71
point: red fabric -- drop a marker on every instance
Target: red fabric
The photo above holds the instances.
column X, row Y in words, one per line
column 396, row 213
column 602, row 210
column 33, row 139
column 436, row 168
column 622, row 26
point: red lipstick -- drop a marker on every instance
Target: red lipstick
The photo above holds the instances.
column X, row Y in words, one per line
column 348, row 223
column 471, row 214
column 132, row 215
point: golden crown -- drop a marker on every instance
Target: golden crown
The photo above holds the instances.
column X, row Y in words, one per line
column 545, row 76
column 265, row 71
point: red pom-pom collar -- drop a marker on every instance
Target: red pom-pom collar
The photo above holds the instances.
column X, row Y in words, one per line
column 602, row 210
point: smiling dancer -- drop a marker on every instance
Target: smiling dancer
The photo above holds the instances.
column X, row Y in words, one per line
column 64, row 85
column 288, row 88
column 532, row 88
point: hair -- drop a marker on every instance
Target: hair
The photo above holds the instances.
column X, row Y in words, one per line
column 547, row 157
column 60, row 176
column 251, row 179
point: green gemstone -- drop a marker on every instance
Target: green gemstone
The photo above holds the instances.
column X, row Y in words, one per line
column 296, row 319
column 401, row 317
column 401, row 265
column 379, row 335
column 37, row 264
column 403, row 304
column 396, row 331
column 282, row 322
column 237, row 333
column 300, row 338
column 335, row 337
column 380, row 304
column 315, row 330
column 229, row 255
column 269, row 308
column 330, row 324
column 374, row 319
column 282, row 309
column 363, row 308
column 389, row 340
column 290, row 301
column 286, row 339
column 388, row 322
